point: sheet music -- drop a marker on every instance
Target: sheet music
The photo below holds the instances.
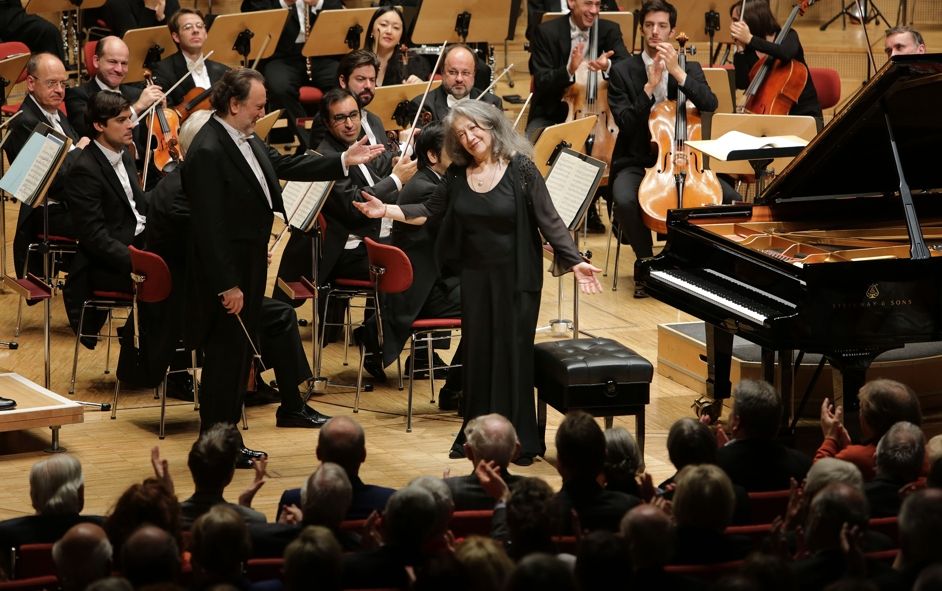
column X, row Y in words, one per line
column 303, row 201
column 571, row 182
column 734, row 141
column 31, row 167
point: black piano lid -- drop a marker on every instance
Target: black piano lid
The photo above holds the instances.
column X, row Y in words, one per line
column 852, row 157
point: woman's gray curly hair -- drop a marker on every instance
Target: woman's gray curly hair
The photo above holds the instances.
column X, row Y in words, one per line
column 506, row 141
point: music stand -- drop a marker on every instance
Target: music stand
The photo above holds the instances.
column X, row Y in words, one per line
column 337, row 32
column 237, row 39
column 478, row 21
column 146, row 47
column 10, row 70
column 66, row 7
column 722, row 81
column 624, row 20
column 555, row 138
column 868, row 11
column 392, row 103
column 263, row 126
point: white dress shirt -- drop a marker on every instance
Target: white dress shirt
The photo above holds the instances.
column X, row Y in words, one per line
column 242, row 142
column 199, row 74
column 299, row 7
column 117, row 163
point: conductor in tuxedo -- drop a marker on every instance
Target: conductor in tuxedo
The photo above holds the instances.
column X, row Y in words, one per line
column 108, row 209
column 188, row 30
column 45, row 90
column 231, row 178
column 558, row 47
column 458, row 72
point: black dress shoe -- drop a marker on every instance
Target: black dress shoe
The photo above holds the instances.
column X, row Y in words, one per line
column 640, row 293
column 7, row 403
column 594, row 223
column 247, row 456
column 524, row 460
column 456, row 454
column 449, row 399
column 264, row 394
column 306, row 418
column 180, row 387
column 421, row 366
column 373, row 367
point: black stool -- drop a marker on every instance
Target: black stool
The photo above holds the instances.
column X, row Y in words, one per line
column 599, row 376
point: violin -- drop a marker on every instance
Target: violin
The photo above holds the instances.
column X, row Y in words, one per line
column 164, row 129
column 678, row 178
column 776, row 86
column 588, row 96
column 196, row 99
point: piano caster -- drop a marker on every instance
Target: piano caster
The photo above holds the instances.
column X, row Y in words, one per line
column 706, row 407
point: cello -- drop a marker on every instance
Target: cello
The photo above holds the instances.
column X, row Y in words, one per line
column 775, row 86
column 678, row 178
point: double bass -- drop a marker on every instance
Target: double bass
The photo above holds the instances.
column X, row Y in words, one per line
column 677, row 179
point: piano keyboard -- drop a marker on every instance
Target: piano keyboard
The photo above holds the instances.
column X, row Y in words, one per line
column 728, row 293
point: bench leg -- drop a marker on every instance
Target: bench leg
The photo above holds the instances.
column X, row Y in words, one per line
column 541, row 421
column 639, row 430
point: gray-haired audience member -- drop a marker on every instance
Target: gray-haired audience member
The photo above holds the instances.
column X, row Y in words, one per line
column 82, row 556
column 703, row 507
column 315, row 555
column 326, row 496
column 920, row 521
column 489, row 438
column 110, row 584
column 150, row 556
column 220, row 547
column 828, row 471
column 900, row 457
column 542, row 571
column 444, row 504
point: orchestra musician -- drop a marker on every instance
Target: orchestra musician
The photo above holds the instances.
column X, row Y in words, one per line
column 496, row 208
column 188, row 30
column 635, row 86
column 231, row 178
column 458, row 73
column 40, row 35
column 537, row 8
column 754, row 36
column 384, row 37
column 45, row 90
column 903, row 40
column 123, row 15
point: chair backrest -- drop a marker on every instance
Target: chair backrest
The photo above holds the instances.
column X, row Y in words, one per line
column 48, row 582
column 88, row 52
column 34, row 560
column 157, row 282
column 827, row 83
column 471, row 523
column 11, row 48
column 264, row 569
column 764, row 507
column 396, row 276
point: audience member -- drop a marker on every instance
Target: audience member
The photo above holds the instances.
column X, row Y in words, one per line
column 600, row 560
column 753, row 459
column 544, row 572
column 920, row 521
column 149, row 502
column 900, row 456
column 485, row 561
column 150, row 557
column 624, row 462
column 649, row 538
column 220, row 547
column 580, row 453
column 82, row 556
column 444, row 504
column 343, row 442
column 882, row 404
column 489, row 438
column 110, row 584
column 703, row 507
column 532, row 519
column 829, row 471
column 314, row 555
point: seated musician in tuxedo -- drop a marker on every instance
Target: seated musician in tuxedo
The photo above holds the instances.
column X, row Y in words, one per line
column 636, row 85
column 903, row 40
column 40, row 35
column 537, row 8
column 108, row 209
column 458, row 72
column 45, row 89
column 343, row 252
column 111, row 60
column 188, row 30
column 123, row 15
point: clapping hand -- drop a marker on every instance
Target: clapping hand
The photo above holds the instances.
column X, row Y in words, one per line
column 258, row 465
column 161, row 468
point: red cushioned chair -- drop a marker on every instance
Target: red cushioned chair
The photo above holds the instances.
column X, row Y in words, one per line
column 46, row 583
column 88, row 54
column 764, row 507
column 827, row 83
column 33, row 560
column 391, row 270
column 10, row 49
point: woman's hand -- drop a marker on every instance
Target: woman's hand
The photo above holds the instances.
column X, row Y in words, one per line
column 740, row 33
column 371, row 207
column 585, row 276
column 413, row 79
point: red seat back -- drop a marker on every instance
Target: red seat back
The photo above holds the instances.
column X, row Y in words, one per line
column 471, row 523
column 88, row 53
column 827, row 83
column 764, row 507
column 34, row 560
column 396, row 276
column 11, row 48
column 157, row 284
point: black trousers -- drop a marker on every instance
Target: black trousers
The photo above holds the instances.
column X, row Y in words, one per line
column 284, row 77
column 282, row 351
column 37, row 33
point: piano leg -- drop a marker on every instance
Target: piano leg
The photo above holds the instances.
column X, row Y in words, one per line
column 783, row 379
column 719, row 348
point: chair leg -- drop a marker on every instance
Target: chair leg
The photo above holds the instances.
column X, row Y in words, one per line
column 19, row 307
column 431, row 365
column 108, row 350
column 411, row 383
column 347, row 327
column 399, row 371
column 196, row 383
column 245, row 420
column 323, row 331
column 608, row 248
column 356, row 398
column 114, row 402
column 161, row 390
column 78, row 336
column 639, row 430
column 617, row 256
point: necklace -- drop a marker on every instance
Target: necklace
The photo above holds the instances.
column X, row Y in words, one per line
column 479, row 180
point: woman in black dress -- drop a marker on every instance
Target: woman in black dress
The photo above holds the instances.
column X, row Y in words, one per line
column 495, row 209
column 754, row 36
column 385, row 37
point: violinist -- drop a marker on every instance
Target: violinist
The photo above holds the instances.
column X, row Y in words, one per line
column 753, row 36
column 458, row 72
column 903, row 40
column 636, row 85
column 188, row 30
column 384, row 37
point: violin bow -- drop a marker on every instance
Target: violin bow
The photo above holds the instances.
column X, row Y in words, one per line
column 523, row 109
column 494, row 83
column 189, row 73
column 261, row 50
column 150, row 138
column 255, row 352
column 428, row 87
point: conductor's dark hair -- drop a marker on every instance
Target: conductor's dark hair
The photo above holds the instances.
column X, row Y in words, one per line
column 234, row 84
column 174, row 23
column 356, row 59
column 659, row 6
column 333, row 96
column 104, row 106
column 431, row 139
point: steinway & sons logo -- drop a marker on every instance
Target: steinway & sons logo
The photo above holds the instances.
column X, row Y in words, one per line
column 872, row 299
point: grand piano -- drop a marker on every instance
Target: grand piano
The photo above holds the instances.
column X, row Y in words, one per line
column 841, row 255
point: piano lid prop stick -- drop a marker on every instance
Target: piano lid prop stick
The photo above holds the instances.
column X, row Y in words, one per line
column 428, row 86
column 258, row 56
column 189, row 73
column 522, row 110
column 251, row 342
column 499, row 76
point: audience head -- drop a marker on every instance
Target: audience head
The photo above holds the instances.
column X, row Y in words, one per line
column 56, row 485
column 829, row 471
column 357, row 73
column 429, row 147
column 690, row 442
column 110, row 584
column 541, row 571
column 46, row 80
column 458, row 70
column 934, row 477
column 220, row 545
column 759, row 17
column 315, row 555
column 835, row 505
column 410, row 519
column 342, row 442
column 486, row 562
column 326, row 496
column 930, row 579
column 148, row 502
column 82, row 556
column 920, row 521
column 901, row 452
column 490, row 438
column 239, row 98
column 340, row 112
column 531, row 517
column 385, row 31
column 934, row 448
column 444, row 503
column 886, row 402
column 188, row 30
column 150, row 556
column 623, row 460
column 757, row 410
column 109, row 116
column 580, row 447
column 600, row 560
column 903, row 40
column 704, row 498
column 191, row 127
column 649, row 535
column 477, row 120
column 111, row 60
column 212, row 458
column 769, row 572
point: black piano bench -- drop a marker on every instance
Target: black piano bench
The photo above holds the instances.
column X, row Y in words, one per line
column 599, row 376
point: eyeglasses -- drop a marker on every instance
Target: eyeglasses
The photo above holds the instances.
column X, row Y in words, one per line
column 191, row 26
column 340, row 117
column 462, row 73
column 50, row 84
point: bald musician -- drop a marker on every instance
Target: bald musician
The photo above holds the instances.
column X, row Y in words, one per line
column 459, row 69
